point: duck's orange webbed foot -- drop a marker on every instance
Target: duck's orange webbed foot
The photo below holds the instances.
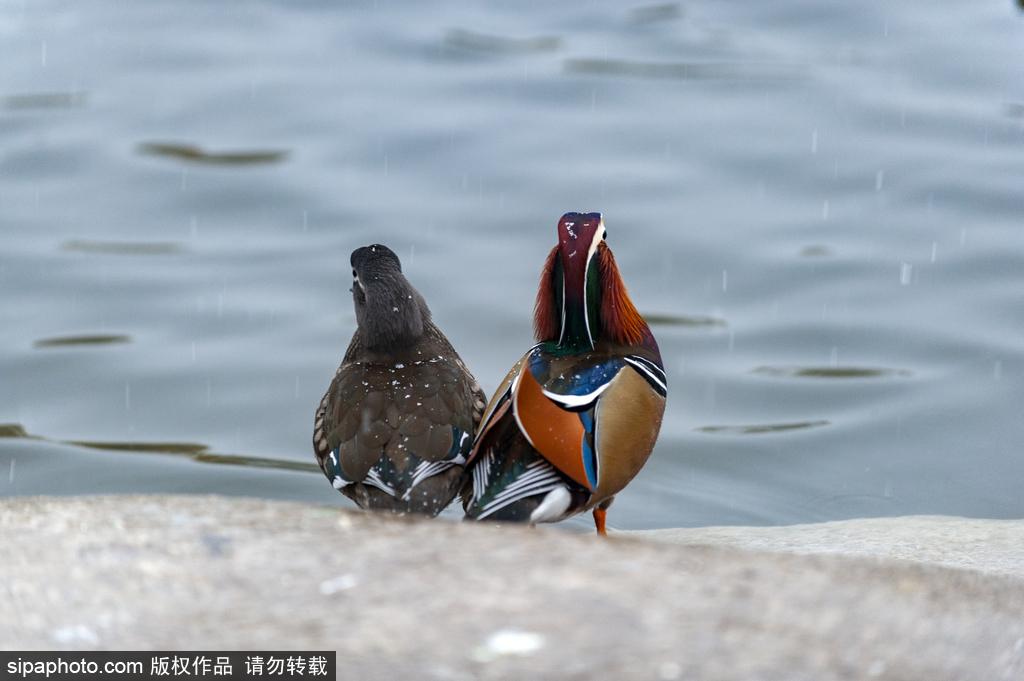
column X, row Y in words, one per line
column 599, row 516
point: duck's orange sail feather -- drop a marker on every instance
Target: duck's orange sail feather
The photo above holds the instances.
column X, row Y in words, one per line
column 554, row 432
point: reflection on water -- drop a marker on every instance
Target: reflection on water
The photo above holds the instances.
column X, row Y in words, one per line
column 193, row 154
column 185, row 448
column 652, row 14
column 760, row 429
column 50, row 100
column 196, row 452
column 479, row 42
column 258, row 462
column 200, row 453
column 123, row 248
column 685, row 71
column 815, row 252
column 14, row 430
column 1013, row 110
column 97, row 339
column 830, row 372
column 681, row 320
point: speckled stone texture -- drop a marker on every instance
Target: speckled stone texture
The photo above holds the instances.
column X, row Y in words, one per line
column 994, row 546
column 403, row 599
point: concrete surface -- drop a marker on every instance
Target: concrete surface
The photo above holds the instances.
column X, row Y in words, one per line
column 993, row 546
column 400, row 599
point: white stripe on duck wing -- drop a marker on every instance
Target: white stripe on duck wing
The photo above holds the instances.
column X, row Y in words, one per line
column 416, row 487
column 510, row 480
column 576, row 418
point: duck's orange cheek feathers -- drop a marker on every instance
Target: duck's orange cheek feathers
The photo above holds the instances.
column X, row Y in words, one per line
column 554, row 432
column 628, row 421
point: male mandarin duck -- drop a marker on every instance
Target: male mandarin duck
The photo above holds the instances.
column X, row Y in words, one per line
column 395, row 427
column 577, row 417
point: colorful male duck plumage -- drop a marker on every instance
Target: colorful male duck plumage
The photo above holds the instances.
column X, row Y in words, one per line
column 396, row 425
column 577, row 417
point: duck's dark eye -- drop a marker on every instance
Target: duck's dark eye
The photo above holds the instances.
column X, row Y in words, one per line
column 354, row 275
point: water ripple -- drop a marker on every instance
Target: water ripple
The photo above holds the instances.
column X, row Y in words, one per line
column 45, row 100
column 830, row 372
column 194, row 154
column 123, row 247
column 97, row 339
column 761, row 428
column 480, row 42
column 681, row 320
column 686, row 70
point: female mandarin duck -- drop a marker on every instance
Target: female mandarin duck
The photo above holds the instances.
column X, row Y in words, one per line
column 577, row 417
column 395, row 427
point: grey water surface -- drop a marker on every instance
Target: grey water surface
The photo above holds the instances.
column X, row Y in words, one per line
column 819, row 206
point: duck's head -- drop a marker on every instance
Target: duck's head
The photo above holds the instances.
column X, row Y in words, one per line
column 582, row 297
column 391, row 314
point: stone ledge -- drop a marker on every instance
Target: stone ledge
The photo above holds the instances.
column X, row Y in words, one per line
column 402, row 599
column 992, row 546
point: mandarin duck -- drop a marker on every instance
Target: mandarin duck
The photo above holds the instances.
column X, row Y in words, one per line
column 395, row 427
column 577, row 417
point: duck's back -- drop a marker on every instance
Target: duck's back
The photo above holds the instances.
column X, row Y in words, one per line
column 392, row 433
